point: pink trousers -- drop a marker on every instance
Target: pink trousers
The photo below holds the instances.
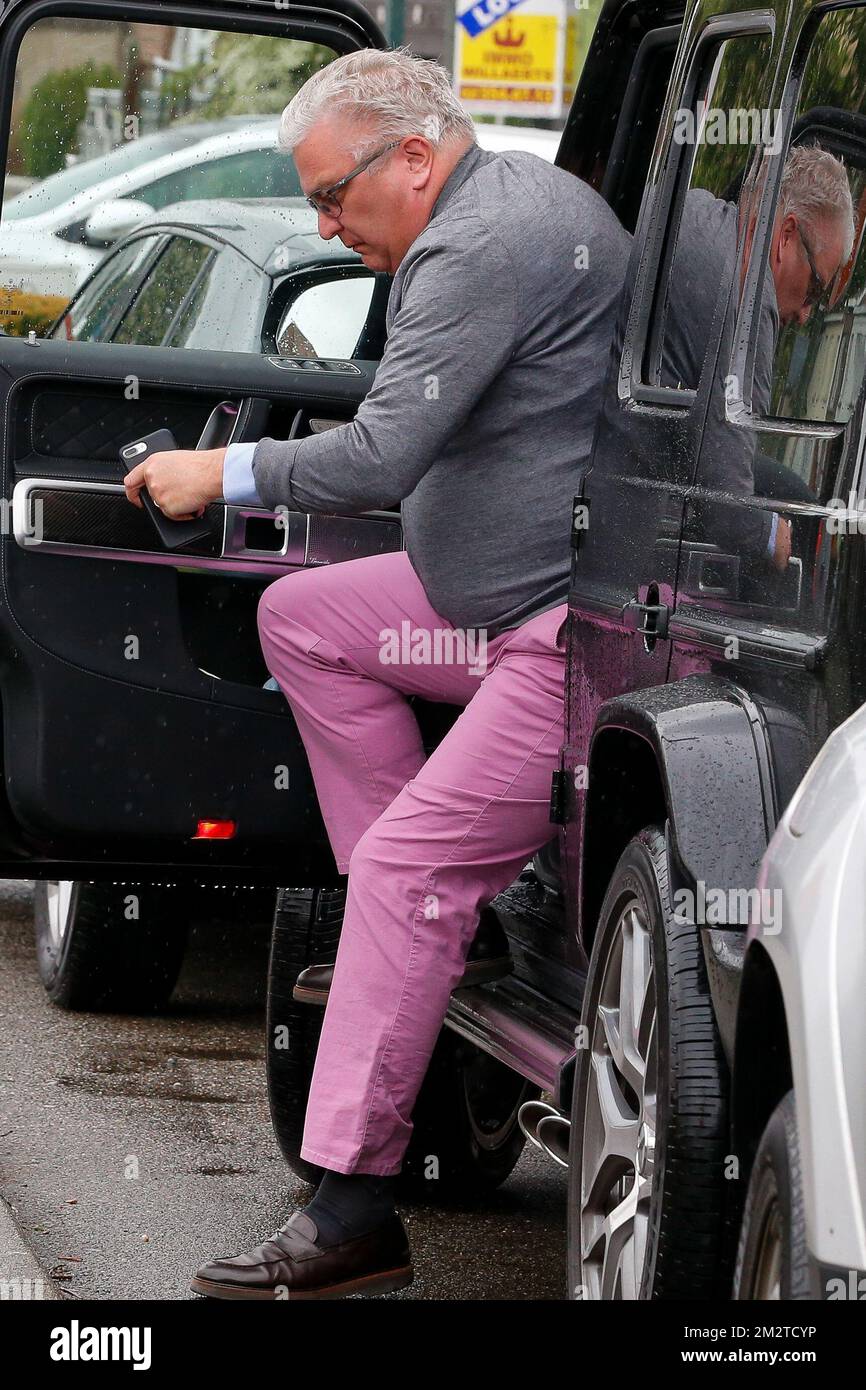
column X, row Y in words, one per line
column 426, row 842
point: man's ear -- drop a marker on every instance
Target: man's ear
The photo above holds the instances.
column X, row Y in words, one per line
column 783, row 232
column 419, row 155
column 787, row 229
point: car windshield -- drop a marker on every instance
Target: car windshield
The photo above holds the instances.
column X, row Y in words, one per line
column 50, row 193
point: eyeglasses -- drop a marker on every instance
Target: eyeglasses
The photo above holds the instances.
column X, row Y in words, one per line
column 817, row 287
column 326, row 202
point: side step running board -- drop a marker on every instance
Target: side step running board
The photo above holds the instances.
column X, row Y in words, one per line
column 518, row 1026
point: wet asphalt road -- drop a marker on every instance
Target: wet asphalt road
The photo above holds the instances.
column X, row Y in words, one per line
column 134, row 1149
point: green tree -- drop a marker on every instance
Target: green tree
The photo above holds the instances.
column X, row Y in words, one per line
column 55, row 108
column 254, row 74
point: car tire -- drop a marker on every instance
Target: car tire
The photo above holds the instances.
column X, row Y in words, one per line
column 306, row 931
column 465, row 1139
column 772, row 1257
column 647, row 1204
column 112, row 947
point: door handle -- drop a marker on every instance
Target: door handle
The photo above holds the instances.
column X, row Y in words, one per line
column 219, row 426
column 231, row 422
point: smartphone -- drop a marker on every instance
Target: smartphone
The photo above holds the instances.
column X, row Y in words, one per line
column 173, row 534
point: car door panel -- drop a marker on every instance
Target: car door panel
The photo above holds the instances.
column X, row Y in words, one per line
column 131, row 677
column 648, row 439
column 132, row 683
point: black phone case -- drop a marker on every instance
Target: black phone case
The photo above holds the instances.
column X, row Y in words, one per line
column 173, row 534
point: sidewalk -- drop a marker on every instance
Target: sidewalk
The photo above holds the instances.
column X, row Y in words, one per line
column 21, row 1275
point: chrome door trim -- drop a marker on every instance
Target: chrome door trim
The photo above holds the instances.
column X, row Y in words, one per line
column 296, row 536
column 235, row 557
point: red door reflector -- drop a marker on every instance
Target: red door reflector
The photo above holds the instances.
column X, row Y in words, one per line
column 215, row 830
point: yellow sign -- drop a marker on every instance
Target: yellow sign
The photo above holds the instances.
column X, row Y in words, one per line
column 514, row 62
column 525, row 61
column 516, row 49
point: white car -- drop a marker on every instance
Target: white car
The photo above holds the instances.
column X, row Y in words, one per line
column 803, row 1232
column 544, row 143
column 53, row 234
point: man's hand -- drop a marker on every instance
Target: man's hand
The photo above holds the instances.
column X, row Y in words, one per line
column 181, row 481
column 782, row 551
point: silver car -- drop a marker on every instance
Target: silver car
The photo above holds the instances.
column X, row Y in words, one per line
column 803, row 1232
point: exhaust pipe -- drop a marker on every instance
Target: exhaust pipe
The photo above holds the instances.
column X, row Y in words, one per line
column 553, row 1136
column 530, row 1115
column 546, row 1128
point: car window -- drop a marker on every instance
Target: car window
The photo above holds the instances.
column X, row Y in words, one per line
column 790, row 364
column 326, row 319
column 188, row 316
column 161, row 297
column 714, row 134
column 253, row 174
column 819, row 360
column 96, row 99
column 775, row 446
column 94, row 312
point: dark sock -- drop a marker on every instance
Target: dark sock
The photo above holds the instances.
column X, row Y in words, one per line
column 350, row 1204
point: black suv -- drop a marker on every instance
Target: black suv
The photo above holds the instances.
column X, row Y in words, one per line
column 638, row 1040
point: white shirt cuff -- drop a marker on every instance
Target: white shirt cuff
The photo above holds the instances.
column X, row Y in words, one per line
column 239, row 486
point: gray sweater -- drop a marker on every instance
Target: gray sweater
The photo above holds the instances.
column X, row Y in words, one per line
column 481, row 413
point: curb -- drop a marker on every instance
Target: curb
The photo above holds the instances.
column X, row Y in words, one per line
column 21, row 1275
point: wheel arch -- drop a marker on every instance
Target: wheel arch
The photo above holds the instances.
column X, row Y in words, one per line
column 694, row 756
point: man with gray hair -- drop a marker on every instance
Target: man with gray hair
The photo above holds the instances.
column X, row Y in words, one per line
column 506, row 275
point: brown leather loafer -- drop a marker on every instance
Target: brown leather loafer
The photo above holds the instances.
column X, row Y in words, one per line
column 489, row 959
column 293, row 1265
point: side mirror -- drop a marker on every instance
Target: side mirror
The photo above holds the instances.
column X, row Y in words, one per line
column 113, row 218
column 326, row 319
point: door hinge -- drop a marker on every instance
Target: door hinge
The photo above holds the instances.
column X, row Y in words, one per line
column 649, row 618
column 558, row 808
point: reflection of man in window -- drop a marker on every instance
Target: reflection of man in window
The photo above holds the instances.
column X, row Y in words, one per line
column 812, row 237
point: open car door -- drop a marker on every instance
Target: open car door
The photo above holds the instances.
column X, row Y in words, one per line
column 138, row 738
